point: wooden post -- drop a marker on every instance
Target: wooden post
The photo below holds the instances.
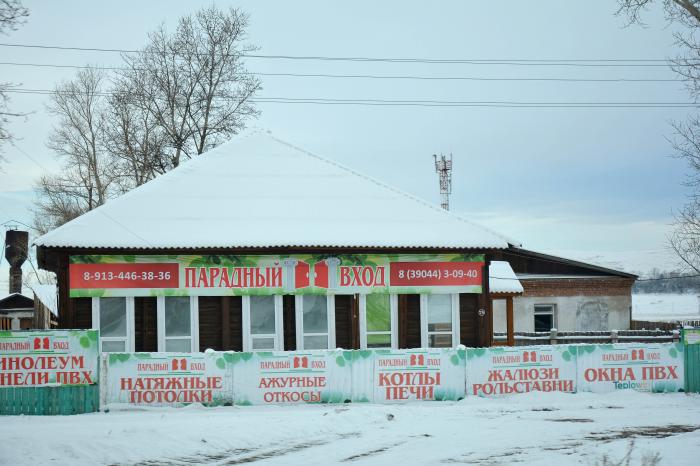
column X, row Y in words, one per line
column 225, row 323
column 509, row 322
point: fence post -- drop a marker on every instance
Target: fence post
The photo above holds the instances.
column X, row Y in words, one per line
column 614, row 338
column 553, row 336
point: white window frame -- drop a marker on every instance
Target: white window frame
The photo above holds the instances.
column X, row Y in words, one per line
column 424, row 340
column 552, row 312
column 129, row 343
column 194, row 324
column 299, row 321
column 394, row 317
column 248, row 335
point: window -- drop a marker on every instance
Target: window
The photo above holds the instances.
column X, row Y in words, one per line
column 439, row 320
column 315, row 322
column 262, row 323
column 114, row 317
column 544, row 317
column 178, row 328
column 378, row 314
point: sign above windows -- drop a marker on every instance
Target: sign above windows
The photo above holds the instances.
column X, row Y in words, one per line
column 216, row 275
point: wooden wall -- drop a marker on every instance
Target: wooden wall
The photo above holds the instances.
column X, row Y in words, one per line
column 469, row 319
column 409, row 321
column 145, row 324
column 220, row 323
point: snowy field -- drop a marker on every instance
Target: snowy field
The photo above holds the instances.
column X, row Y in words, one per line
column 665, row 306
column 534, row 428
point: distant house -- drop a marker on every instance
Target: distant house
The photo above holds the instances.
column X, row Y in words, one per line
column 18, row 308
column 565, row 294
column 30, row 313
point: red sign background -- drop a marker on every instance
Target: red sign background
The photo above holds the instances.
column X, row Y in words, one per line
column 435, row 273
column 87, row 276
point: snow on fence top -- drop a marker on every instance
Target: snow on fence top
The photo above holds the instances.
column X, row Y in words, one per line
column 258, row 191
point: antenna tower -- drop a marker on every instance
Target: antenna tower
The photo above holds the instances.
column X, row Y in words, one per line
column 443, row 167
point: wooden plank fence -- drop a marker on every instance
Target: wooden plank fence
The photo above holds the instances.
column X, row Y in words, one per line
column 49, row 400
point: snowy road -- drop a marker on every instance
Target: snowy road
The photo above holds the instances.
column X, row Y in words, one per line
column 533, row 428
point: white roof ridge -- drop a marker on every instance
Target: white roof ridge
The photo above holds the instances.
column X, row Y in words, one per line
column 393, row 188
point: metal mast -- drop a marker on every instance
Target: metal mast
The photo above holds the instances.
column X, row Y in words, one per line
column 443, row 167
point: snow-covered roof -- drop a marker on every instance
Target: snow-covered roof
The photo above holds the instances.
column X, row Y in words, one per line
column 502, row 279
column 258, row 191
column 48, row 295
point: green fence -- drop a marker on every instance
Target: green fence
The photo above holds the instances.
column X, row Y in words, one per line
column 50, row 400
column 49, row 372
column 691, row 340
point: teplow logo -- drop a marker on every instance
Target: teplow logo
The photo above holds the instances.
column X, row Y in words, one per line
column 300, row 362
column 529, row 356
column 417, row 360
column 42, row 343
column 638, row 355
column 178, row 364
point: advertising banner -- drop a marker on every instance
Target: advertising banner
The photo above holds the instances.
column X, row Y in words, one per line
column 169, row 379
column 645, row 367
column 508, row 370
column 292, row 377
column 48, row 358
column 691, row 336
column 421, row 374
column 218, row 275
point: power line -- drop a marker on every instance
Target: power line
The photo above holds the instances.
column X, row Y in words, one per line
column 425, row 103
column 371, row 76
column 606, row 62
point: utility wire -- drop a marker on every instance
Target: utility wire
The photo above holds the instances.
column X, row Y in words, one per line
column 423, row 103
column 371, row 76
column 606, row 62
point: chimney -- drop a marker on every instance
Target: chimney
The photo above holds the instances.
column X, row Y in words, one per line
column 16, row 247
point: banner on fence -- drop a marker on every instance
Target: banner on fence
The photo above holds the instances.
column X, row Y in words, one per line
column 508, row 370
column 48, row 358
column 293, row 377
column 645, row 367
column 691, row 336
column 169, row 379
column 420, row 374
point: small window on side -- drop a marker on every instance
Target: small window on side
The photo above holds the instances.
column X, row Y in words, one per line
column 544, row 317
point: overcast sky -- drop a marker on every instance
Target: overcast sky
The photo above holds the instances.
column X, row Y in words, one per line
column 586, row 182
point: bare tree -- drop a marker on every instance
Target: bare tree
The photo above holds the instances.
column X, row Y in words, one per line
column 182, row 94
column 194, row 82
column 135, row 142
column 685, row 239
column 12, row 14
column 78, row 139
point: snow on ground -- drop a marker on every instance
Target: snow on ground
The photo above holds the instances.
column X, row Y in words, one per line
column 533, row 428
column 665, row 306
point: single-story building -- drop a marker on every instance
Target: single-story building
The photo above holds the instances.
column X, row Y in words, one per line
column 258, row 244
column 565, row 294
